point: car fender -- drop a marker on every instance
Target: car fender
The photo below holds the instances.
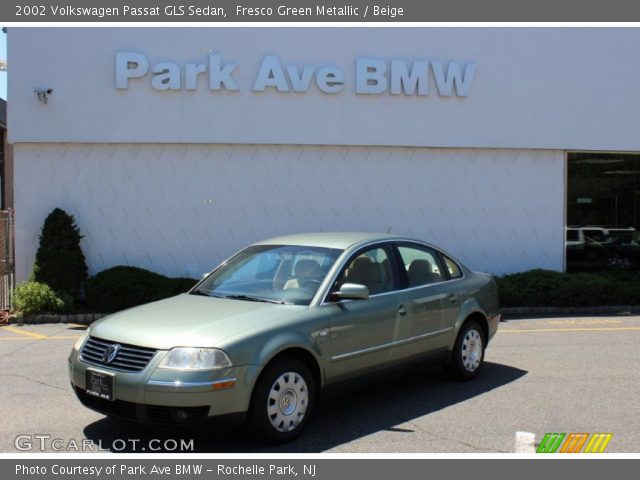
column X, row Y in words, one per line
column 286, row 340
column 468, row 307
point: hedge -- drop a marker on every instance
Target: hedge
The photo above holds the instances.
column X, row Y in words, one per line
column 546, row 288
column 123, row 287
column 35, row 297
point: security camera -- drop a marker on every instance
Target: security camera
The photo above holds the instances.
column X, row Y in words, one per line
column 43, row 94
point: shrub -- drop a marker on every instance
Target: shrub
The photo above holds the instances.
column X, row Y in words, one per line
column 123, row 287
column 34, row 297
column 545, row 288
column 60, row 262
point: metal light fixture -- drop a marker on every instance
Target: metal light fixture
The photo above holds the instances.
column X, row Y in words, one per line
column 43, row 94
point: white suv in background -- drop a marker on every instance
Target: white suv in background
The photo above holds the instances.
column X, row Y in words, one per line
column 580, row 236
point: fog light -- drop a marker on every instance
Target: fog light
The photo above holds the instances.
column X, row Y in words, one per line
column 180, row 415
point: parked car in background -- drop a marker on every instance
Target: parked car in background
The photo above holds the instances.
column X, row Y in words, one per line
column 265, row 332
column 601, row 247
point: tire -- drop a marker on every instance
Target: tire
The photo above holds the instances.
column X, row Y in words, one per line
column 468, row 352
column 282, row 401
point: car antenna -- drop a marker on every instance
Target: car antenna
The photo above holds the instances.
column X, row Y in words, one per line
column 393, row 221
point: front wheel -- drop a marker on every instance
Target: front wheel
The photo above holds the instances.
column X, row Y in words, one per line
column 468, row 351
column 283, row 399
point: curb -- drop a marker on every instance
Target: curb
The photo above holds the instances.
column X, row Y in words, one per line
column 510, row 312
column 79, row 318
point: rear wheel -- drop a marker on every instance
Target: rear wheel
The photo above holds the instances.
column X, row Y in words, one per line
column 468, row 352
column 283, row 400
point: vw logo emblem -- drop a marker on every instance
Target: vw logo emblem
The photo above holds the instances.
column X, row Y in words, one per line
column 111, row 353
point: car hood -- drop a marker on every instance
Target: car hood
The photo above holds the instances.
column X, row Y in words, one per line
column 188, row 321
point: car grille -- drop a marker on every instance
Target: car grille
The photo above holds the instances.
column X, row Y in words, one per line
column 130, row 358
column 116, row 408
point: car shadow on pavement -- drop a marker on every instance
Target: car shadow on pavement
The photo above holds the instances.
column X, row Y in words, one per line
column 338, row 419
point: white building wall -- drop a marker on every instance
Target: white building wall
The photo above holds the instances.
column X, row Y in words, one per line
column 546, row 88
column 179, row 209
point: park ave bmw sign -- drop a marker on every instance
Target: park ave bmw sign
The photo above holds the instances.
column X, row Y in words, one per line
column 372, row 76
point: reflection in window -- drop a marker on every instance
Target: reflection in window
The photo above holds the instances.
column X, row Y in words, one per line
column 422, row 266
column 603, row 202
column 371, row 269
column 452, row 267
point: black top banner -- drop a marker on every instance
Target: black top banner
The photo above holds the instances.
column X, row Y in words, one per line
column 319, row 11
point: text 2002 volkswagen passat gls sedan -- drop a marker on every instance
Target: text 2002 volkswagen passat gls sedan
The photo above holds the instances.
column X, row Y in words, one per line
column 281, row 320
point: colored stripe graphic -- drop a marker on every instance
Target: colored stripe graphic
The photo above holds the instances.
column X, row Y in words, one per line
column 574, row 442
column 550, row 443
column 598, row 442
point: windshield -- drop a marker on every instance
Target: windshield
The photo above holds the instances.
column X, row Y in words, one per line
column 287, row 274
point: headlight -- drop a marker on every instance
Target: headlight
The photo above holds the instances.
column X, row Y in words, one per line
column 195, row 359
column 80, row 341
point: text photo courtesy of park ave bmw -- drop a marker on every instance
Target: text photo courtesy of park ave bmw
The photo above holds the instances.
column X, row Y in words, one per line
column 337, row 241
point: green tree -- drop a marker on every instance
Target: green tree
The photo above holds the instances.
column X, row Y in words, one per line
column 60, row 262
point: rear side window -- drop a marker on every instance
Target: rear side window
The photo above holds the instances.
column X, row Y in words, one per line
column 421, row 265
column 452, row 267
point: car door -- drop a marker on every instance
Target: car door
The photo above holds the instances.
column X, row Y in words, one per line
column 364, row 333
column 432, row 302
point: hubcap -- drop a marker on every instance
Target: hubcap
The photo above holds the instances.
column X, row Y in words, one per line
column 472, row 350
column 287, row 402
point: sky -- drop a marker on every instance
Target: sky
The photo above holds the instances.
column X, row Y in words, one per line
column 3, row 56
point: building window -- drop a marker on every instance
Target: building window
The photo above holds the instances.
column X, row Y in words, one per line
column 603, row 211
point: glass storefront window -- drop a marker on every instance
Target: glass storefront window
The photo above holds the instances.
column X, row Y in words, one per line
column 603, row 218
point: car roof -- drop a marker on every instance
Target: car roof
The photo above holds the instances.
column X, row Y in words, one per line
column 340, row 240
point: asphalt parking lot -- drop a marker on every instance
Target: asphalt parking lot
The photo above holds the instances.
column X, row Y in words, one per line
column 542, row 375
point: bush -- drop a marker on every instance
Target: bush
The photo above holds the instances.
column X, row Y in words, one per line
column 60, row 262
column 545, row 288
column 123, row 287
column 34, row 297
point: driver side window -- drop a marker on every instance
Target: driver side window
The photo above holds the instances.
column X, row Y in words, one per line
column 371, row 268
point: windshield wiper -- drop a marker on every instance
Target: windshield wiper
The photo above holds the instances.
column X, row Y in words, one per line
column 199, row 292
column 204, row 294
column 254, row 299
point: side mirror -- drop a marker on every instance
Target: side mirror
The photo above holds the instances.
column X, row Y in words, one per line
column 352, row 291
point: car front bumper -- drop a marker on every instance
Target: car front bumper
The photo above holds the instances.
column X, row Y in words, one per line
column 167, row 396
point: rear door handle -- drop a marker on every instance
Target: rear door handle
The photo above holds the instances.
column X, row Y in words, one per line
column 453, row 298
column 402, row 310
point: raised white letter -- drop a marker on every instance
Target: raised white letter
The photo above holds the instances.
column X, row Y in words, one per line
column 219, row 75
column 330, row 79
column 300, row 81
column 191, row 75
column 453, row 77
column 270, row 75
column 370, row 77
column 402, row 79
column 130, row 65
column 167, row 76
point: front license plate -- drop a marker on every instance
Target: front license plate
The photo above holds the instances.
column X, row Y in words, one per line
column 100, row 385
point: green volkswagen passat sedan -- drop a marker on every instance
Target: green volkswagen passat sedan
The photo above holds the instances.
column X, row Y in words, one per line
column 280, row 321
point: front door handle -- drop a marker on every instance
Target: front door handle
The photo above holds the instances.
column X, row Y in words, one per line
column 402, row 310
column 453, row 298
